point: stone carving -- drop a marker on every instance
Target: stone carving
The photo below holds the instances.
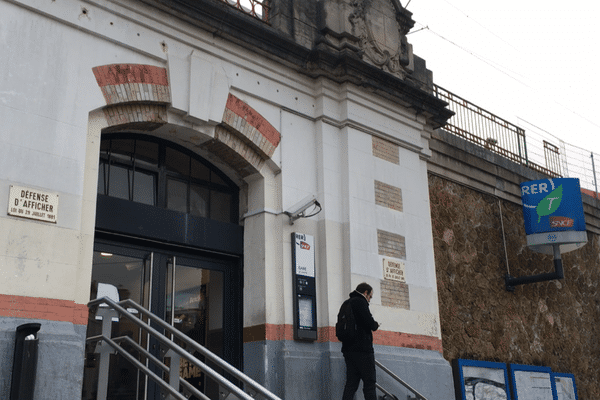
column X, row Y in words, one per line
column 383, row 37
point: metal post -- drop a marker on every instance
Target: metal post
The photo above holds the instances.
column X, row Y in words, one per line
column 104, row 350
column 174, row 360
column 594, row 171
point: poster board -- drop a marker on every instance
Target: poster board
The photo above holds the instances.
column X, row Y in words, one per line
column 566, row 389
column 479, row 380
column 532, row 383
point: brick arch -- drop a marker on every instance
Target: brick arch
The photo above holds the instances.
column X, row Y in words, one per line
column 245, row 139
column 138, row 96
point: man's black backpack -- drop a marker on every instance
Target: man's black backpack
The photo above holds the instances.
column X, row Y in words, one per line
column 345, row 328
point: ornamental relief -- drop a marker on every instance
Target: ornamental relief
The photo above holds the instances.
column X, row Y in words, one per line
column 383, row 37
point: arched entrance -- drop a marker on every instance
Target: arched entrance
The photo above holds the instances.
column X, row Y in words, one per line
column 167, row 236
column 169, row 222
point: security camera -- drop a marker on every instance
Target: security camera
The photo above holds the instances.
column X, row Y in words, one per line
column 299, row 210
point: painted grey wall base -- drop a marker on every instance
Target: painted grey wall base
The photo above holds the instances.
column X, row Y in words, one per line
column 298, row 371
column 60, row 358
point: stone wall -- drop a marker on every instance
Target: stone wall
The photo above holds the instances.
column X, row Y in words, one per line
column 479, row 236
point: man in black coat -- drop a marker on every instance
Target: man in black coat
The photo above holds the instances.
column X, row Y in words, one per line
column 359, row 354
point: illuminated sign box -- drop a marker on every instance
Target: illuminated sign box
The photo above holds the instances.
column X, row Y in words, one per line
column 553, row 214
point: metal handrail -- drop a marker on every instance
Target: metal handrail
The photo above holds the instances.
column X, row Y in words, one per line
column 158, row 363
column 397, row 378
column 191, row 344
column 141, row 367
column 386, row 392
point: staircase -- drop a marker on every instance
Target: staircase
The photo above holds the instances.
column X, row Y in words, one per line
column 167, row 378
column 159, row 370
column 389, row 396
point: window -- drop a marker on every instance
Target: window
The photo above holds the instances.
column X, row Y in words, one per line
column 150, row 171
column 257, row 8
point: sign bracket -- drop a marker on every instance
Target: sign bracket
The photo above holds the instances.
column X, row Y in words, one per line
column 558, row 273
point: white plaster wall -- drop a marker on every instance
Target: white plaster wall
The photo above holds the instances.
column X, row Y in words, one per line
column 48, row 90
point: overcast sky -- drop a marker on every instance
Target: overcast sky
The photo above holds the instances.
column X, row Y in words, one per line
column 526, row 61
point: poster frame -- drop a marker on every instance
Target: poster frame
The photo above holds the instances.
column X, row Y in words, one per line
column 460, row 379
column 529, row 368
column 564, row 375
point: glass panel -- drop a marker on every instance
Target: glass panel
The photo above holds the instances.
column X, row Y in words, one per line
column 117, row 277
column 144, row 188
column 199, row 201
column 177, row 162
column 101, row 169
column 177, row 195
column 122, row 146
column 220, row 206
column 198, row 312
column 200, row 171
column 118, row 180
column 305, row 312
column 215, row 178
column 146, row 153
column 104, row 146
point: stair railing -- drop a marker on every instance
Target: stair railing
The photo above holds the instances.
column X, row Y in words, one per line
column 107, row 345
column 385, row 369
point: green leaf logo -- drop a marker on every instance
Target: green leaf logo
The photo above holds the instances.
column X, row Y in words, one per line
column 550, row 203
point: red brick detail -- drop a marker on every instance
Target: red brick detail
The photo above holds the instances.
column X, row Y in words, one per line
column 327, row 334
column 118, row 74
column 252, row 117
column 45, row 309
column 399, row 339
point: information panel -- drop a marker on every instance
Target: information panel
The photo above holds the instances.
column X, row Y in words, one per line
column 565, row 386
column 305, row 292
column 532, row 383
column 481, row 380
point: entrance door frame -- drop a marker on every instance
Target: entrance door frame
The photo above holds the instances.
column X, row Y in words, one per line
column 230, row 266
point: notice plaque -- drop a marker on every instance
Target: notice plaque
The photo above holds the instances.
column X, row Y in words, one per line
column 33, row 204
column 393, row 270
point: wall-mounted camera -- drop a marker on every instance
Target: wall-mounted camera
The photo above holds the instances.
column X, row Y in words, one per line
column 299, row 210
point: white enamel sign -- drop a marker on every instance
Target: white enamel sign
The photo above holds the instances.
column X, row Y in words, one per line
column 33, row 204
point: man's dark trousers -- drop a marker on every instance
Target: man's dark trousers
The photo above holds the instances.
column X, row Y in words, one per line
column 360, row 366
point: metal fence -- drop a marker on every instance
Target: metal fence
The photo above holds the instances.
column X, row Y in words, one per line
column 536, row 149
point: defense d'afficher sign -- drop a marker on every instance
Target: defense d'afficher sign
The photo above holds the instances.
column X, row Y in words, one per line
column 33, row 204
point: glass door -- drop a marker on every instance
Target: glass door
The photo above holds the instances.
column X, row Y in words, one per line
column 197, row 295
column 118, row 277
column 194, row 305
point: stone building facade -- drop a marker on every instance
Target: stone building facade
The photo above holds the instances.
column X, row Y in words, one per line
column 176, row 134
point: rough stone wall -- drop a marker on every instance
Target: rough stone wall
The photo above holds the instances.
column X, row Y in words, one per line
column 552, row 324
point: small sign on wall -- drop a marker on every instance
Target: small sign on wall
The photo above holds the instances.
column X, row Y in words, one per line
column 305, row 287
column 304, row 250
column 393, row 270
column 33, row 204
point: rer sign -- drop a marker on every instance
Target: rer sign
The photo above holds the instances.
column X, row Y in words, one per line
column 553, row 214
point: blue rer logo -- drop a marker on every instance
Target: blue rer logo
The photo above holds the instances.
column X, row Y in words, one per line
column 548, row 204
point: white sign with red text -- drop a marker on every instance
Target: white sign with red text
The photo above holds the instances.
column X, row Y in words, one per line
column 305, row 254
